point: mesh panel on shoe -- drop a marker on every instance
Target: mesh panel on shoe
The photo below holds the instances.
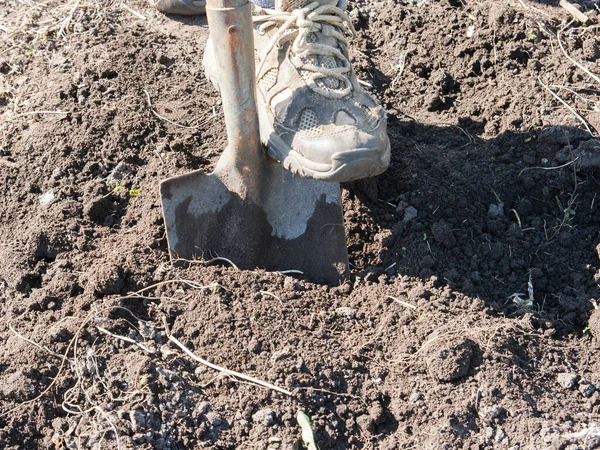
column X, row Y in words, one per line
column 310, row 59
column 328, row 62
column 269, row 79
column 308, row 123
column 329, row 84
column 289, row 5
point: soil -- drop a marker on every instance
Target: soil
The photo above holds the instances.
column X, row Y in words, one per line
column 469, row 320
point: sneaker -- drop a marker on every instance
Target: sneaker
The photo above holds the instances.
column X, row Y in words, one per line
column 183, row 7
column 315, row 118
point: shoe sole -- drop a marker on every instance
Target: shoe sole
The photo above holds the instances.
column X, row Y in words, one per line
column 346, row 166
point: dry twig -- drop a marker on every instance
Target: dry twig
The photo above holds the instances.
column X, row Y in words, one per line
column 549, row 168
column 572, row 9
column 232, row 373
column 41, row 347
column 126, row 339
column 577, row 63
column 400, row 302
column 164, row 118
column 569, row 107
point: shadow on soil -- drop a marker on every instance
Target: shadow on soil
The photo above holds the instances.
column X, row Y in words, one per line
column 483, row 216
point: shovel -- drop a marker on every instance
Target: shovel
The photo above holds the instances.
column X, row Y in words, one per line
column 251, row 210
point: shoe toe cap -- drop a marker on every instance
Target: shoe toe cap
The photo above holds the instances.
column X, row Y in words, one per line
column 342, row 143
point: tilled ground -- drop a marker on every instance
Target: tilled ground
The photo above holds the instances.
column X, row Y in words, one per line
column 492, row 191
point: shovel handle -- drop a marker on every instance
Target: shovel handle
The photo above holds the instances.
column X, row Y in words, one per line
column 230, row 24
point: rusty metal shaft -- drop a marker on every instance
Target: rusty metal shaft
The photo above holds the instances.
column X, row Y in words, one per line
column 230, row 23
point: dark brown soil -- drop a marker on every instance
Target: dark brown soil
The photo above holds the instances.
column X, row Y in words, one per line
column 493, row 184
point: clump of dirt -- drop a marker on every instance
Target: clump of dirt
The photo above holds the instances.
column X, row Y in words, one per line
column 451, row 360
column 493, row 183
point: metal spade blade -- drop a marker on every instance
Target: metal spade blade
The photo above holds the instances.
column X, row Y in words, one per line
column 251, row 210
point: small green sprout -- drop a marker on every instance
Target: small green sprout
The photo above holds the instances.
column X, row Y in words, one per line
column 134, row 192
column 532, row 36
column 403, row 249
column 118, row 187
column 29, row 52
column 215, row 288
column 424, row 236
column 569, row 213
column 308, row 437
column 144, row 378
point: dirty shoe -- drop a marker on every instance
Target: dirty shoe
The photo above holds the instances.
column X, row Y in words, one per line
column 183, row 7
column 315, row 118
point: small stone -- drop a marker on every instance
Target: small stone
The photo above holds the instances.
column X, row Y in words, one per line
column 274, row 443
column 365, row 423
column 415, row 397
column 496, row 210
column 495, row 412
column 117, row 174
column 586, row 388
column 410, row 213
column 203, row 407
column 288, row 283
column 500, row 435
column 402, row 205
column 139, row 438
column 567, row 380
column 47, row 198
column 346, row 312
column 215, row 419
column 345, row 289
column 280, row 354
column 57, row 423
column 57, row 173
column 264, row 416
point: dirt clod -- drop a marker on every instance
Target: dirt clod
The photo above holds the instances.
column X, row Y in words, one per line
column 107, row 279
column 450, row 360
column 567, row 380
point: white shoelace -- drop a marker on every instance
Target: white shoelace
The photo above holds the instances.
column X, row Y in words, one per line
column 297, row 25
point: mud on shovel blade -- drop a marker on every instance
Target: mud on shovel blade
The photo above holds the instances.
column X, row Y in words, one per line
column 250, row 210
